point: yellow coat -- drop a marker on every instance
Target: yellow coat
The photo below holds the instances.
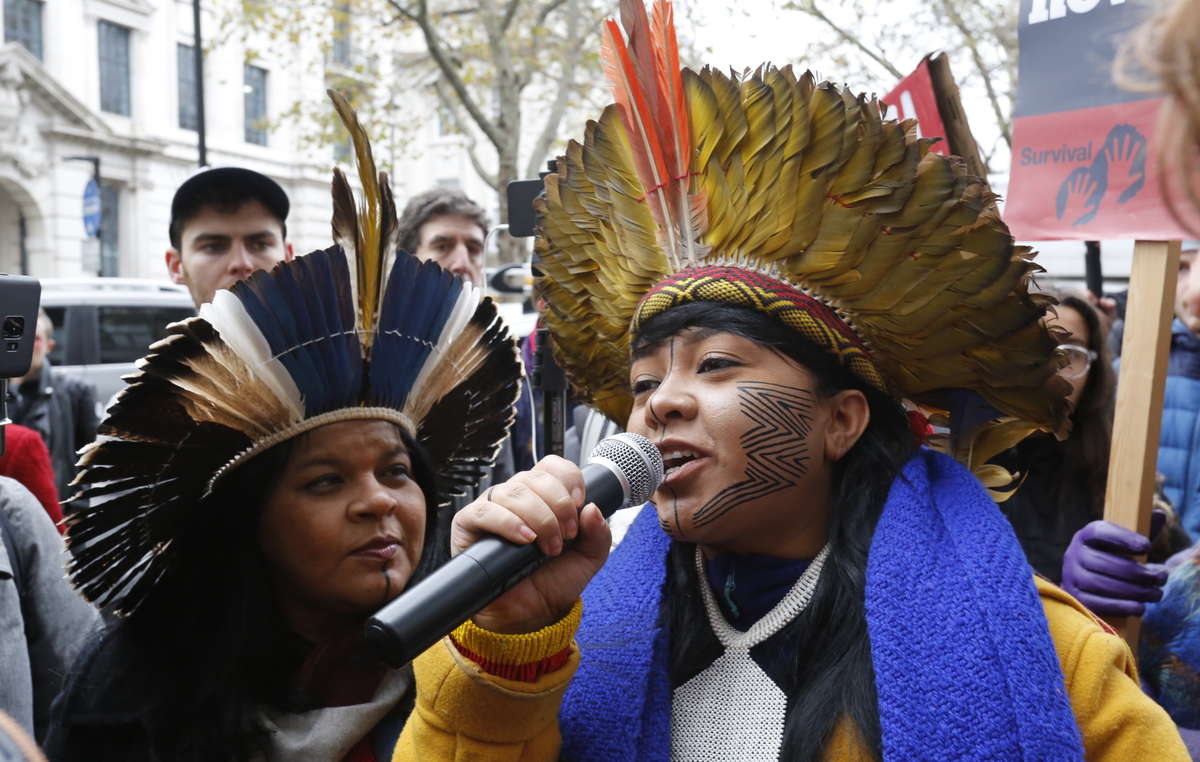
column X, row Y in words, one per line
column 463, row 713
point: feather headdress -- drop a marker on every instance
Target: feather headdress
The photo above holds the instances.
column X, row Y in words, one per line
column 357, row 331
column 792, row 197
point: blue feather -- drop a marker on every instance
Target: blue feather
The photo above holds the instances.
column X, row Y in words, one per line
column 259, row 313
column 418, row 300
column 305, row 306
column 335, row 267
column 340, row 356
column 392, row 352
column 270, row 311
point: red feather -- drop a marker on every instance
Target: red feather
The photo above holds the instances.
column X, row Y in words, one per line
column 648, row 85
column 629, row 93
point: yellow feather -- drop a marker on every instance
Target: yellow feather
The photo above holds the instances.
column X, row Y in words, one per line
column 805, row 181
column 371, row 257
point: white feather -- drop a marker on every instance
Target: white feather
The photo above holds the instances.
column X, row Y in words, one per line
column 229, row 317
column 352, row 266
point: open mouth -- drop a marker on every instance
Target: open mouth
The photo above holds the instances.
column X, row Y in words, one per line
column 673, row 460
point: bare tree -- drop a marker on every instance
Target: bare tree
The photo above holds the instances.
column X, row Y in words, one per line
column 873, row 43
column 512, row 76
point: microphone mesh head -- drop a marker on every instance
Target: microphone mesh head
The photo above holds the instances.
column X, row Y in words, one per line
column 638, row 459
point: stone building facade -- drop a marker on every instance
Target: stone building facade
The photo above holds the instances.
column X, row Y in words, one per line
column 82, row 80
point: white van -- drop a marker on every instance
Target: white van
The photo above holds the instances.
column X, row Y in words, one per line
column 102, row 326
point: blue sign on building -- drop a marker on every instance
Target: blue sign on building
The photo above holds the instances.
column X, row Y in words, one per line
column 91, row 208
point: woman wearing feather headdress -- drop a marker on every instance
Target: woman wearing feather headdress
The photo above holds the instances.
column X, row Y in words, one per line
column 753, row 271
column 273, row 474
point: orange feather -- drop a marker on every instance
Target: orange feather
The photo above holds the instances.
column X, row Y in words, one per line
column 646, row 145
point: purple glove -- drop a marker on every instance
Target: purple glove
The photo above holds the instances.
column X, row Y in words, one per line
column 1097, row 570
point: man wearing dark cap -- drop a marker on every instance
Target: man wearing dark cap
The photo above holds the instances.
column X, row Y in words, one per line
column 226, row 223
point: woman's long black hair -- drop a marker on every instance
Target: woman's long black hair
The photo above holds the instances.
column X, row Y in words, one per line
column 1085, row 452
column 827, row 649
column 209, row 644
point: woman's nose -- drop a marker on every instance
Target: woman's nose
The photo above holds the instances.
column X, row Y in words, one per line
column 373, row 500
column 671, row 400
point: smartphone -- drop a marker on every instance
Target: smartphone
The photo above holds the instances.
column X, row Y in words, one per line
column 521, row 219
column 20, row 297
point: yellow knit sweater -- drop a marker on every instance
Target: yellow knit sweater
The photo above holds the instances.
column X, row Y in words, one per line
column 463, row 713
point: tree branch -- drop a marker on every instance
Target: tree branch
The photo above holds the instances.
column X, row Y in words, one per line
column 972, row 45
column 810, row 7
column 434, row 44
column 488, row 177
column 403, row 11
column 509, row 13
column 545, row 11
column 566, row 88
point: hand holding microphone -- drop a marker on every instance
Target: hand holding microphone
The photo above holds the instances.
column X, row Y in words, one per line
column 524, row 551
column 543, row 503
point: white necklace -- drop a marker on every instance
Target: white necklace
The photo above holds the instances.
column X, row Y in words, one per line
column 732, row 709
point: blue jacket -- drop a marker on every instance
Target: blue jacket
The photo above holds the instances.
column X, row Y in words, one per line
column 1179, row 442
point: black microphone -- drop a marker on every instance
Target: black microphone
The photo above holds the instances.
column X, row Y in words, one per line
column 622, row 470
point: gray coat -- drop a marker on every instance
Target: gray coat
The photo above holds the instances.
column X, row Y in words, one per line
column 41, row 631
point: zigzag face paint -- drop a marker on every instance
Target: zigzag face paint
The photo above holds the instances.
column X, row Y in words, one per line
column 737, row 425
column 776, row 446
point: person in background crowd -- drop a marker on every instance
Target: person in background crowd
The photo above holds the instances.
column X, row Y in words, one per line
column 43, row 621
column 1179, row 441
column 1098, row 567
column 274, row 489
column 60, row 408
column 1089, row 551
column 27, row 460
column 226, row 224
column 447, row 227
column 1062, row 484
column 806, row 582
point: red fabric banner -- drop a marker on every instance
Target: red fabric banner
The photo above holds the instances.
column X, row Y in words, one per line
column 913, row 98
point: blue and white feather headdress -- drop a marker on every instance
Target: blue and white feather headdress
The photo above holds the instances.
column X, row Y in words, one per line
column 357, row 331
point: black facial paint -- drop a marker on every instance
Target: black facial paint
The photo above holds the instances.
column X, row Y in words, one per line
column 662, row 434
column 387, row 584
column 776, row 446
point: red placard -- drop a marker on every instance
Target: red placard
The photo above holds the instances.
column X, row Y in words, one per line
column 1088, row 174
column 1083, row 148
column 914, row 98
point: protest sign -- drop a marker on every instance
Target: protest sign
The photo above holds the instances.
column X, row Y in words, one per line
column 1083, row 146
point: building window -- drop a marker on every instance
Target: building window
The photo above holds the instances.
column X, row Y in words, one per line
column 256, row 105
column 23, row 24
column 341, row 33
column 114, row 68
column 110, row 230
column 185, row 60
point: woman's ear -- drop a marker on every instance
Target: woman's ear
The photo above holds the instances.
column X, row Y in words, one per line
column 849, row 414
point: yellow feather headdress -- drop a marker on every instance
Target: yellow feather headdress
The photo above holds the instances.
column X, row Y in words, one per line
column 795, row 198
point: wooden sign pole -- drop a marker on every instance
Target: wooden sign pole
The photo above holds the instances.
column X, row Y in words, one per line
column 1147, row 343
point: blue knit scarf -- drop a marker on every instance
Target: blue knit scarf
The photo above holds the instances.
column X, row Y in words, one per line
column 964, row 665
